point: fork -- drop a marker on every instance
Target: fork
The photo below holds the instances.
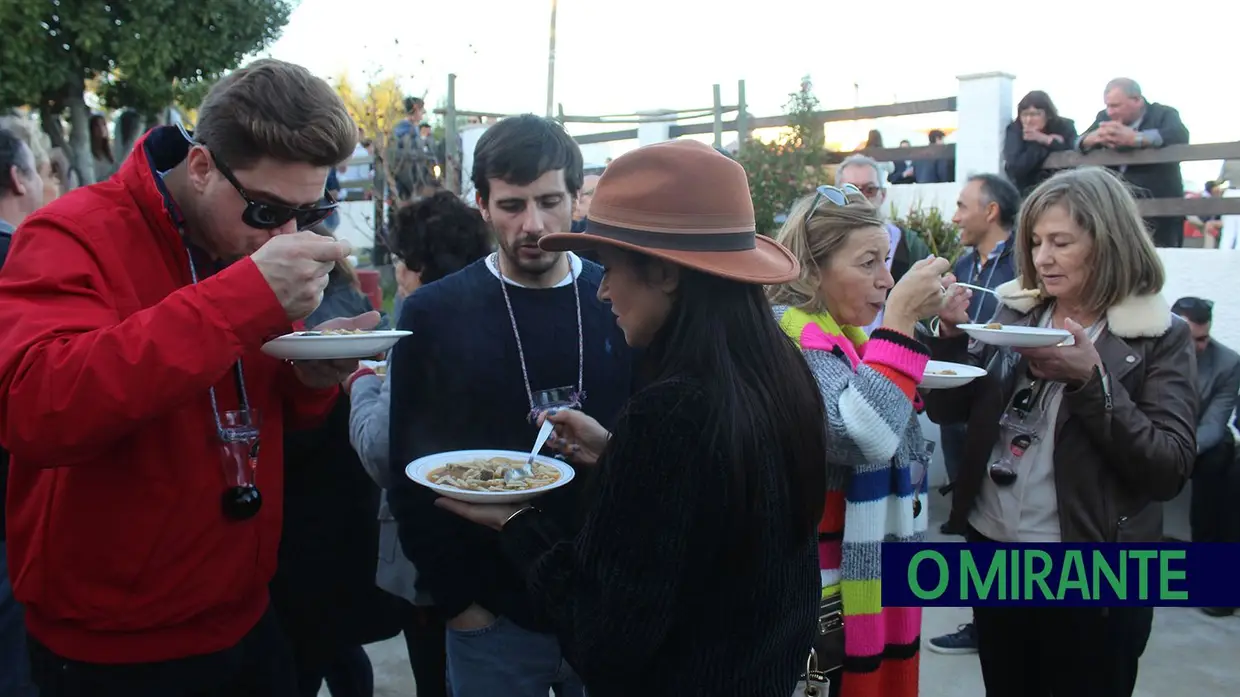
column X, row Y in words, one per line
column 517, row 474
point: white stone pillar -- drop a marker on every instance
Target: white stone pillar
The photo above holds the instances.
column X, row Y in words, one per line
column 650, row 132
column 469, row 141
column 983, row 110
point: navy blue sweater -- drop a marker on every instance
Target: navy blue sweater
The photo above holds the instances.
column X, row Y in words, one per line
column 457, row 385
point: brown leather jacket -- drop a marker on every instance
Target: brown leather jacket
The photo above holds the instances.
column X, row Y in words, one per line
column 1117, row 455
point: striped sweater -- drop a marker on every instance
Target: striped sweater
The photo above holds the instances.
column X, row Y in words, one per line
column 875, row 443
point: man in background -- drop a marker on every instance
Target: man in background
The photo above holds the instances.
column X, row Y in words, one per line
column 934, row 171
column 21, row 193
column 906, row 246
column 1130, row 122
column 1216, row 482
column 581, row 211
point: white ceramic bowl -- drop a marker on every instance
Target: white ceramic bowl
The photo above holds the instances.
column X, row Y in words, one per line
column 1018, row 337
column 310, row 346
column 423, row 466
column 934, row 379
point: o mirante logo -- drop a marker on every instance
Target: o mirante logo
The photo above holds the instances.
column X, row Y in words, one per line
column 1062, row 574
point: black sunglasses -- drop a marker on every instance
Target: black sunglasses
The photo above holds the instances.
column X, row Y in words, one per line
column 262, row 215
column 836, row 196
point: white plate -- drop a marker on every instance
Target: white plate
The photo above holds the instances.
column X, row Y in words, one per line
column 421, row 467
column 309, row 345
column 1017, row 337
column 934, row 379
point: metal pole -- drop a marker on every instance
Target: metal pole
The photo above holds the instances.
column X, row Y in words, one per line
column 451, row 149
column 718, row 118
column 551, row 66
column 742, row 117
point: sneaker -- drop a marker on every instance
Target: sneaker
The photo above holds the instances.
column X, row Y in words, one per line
column 963, row 640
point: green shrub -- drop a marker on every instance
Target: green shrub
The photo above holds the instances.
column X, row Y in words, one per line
column 938, row 232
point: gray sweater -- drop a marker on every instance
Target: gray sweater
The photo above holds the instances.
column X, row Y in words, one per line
column 371, row 399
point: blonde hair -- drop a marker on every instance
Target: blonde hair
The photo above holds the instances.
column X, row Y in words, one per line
column 814, row 241
column 1123, row 262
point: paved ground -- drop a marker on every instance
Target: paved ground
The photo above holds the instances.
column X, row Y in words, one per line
column 1189, row 654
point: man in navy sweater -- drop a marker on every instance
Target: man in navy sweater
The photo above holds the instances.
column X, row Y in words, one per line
column 493, row 344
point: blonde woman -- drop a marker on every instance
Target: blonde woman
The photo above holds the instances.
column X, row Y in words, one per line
column 876, row 457
column 1073, row 443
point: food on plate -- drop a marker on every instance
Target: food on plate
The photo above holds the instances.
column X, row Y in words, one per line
column 488, row 475
column 335, row 332
column 993, row 325
column 945, row 371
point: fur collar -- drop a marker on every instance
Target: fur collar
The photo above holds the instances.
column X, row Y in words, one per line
column 1135, row 317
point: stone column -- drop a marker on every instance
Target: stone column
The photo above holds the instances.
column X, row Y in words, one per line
column 983, row 110
column 650, row 132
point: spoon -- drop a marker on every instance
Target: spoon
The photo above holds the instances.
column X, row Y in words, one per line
column 973, row 287
column 517, row 474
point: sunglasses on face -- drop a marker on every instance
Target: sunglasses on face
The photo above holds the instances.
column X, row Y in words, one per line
column 836, row 196
column 263, row 215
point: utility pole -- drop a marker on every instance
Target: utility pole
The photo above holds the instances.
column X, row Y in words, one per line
column 551, row 66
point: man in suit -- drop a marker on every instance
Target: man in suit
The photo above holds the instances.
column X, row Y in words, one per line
column 1216, row 478
column 1130, row 122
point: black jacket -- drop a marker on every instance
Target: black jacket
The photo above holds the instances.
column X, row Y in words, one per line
column 1022, row 159
column 1162, row 180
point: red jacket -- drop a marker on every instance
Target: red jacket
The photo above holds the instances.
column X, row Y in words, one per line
column 117, row 543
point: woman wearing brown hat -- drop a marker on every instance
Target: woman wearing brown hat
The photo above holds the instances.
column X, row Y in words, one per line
column 877, row 458
column 695, row 571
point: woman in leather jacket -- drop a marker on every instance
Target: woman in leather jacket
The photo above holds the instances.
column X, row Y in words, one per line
column 1072, row 443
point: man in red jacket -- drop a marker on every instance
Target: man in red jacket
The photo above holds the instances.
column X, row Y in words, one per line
column 143, row 518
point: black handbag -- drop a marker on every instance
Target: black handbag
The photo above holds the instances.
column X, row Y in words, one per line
column 829, row 641
column 827, row 655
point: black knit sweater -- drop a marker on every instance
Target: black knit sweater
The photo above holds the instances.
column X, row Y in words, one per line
column 646, row 599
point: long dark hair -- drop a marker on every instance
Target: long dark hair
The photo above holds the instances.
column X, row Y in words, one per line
column 763, row 397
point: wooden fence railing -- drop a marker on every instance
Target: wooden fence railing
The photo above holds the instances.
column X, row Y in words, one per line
column 1160, row 207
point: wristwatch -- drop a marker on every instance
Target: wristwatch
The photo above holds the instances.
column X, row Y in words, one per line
column 1139, row 140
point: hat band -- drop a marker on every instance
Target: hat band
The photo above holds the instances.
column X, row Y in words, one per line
column 676, row 241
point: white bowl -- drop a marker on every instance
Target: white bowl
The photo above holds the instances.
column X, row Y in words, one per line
column 423, row 466
column 935, row 380
column 1018, row 337
column 310, row 346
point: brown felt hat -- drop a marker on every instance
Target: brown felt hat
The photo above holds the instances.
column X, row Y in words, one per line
column 685, row 202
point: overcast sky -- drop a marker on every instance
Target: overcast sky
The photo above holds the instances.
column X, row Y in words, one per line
column 620, row 57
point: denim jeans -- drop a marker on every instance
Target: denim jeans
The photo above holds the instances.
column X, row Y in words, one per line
column 14, row 661
column 951, row 438
column 504, row 659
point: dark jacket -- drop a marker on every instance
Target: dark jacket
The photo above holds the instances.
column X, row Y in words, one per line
column 909, row 251
column 6, row 238
column 897, row 174
column 982, row 306
column 1022, row 159
column 1118, row 456
column 324, row 590
column 649, row 597
column 1154, row 181
column 932, row 171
